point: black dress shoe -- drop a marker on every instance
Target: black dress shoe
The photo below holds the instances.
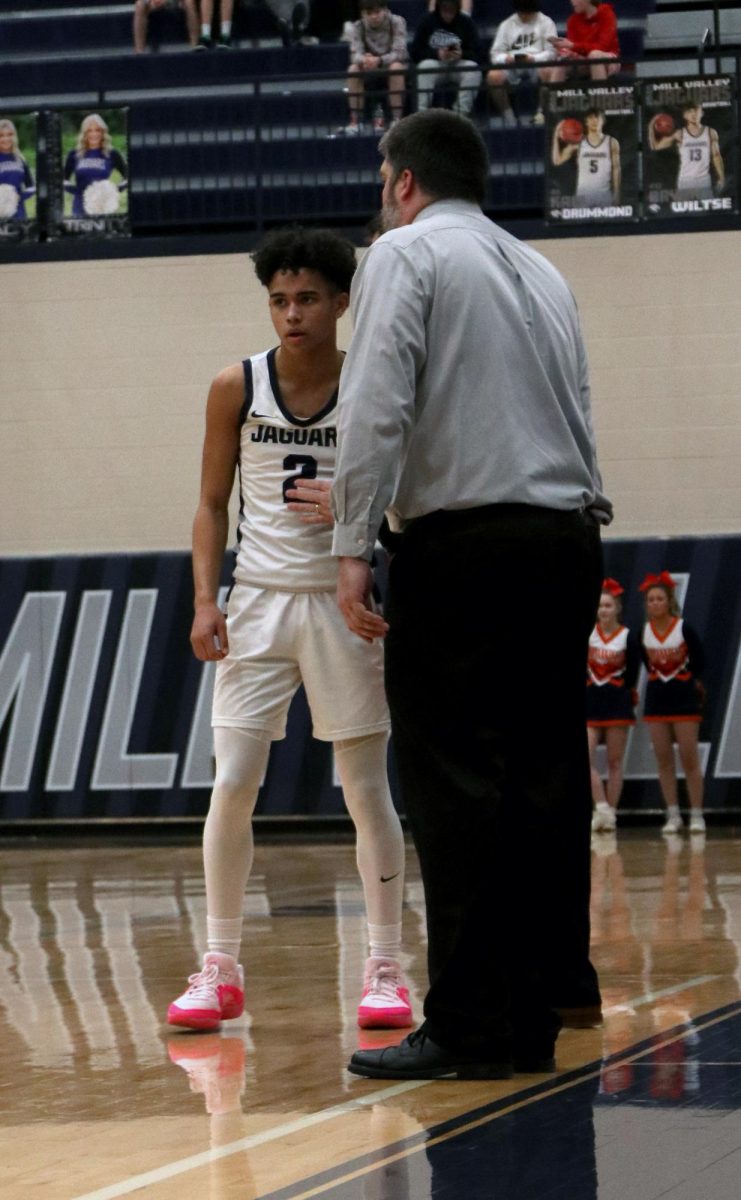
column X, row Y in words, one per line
column 533, row 1063
column 583, row 1016
column 418, row 1057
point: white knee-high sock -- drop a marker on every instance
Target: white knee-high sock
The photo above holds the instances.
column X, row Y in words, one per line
column 361, row 765
column 241, row 758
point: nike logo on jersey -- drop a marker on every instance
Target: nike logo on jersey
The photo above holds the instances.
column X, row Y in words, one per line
column 258, row 416
column 388, row 878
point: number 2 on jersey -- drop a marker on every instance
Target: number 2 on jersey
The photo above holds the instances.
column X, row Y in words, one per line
column 307, row 470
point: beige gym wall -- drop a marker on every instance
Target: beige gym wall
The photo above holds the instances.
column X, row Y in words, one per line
column 105, row 367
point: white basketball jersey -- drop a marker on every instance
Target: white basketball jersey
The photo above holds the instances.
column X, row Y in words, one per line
column 694, row 160
column 275, row 549
column 594, row 168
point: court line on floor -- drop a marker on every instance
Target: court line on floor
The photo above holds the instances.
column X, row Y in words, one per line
column 660, row 994
column 194, row 1161
column 476, row 1119
column 180, row 1166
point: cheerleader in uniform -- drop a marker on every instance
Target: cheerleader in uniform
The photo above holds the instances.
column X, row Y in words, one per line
column 612, row 669
column 674, row 697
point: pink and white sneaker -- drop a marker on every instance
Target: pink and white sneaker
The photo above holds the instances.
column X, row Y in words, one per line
column 385, row 1000
column 215, row 994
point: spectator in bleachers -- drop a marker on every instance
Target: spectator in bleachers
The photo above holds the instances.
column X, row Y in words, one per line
column 378, row 56
column 209, row 37
column 292, row 19
column 522, row 44
column 591, row 36
column 466, row 6
column 144, row 8
column 447, row 50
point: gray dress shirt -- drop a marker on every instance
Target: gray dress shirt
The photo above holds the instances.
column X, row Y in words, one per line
column 465, row 384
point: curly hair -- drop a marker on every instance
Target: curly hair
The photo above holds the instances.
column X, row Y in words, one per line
column 296, row 248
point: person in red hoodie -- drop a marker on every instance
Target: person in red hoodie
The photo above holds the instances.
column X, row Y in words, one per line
column 591, row 34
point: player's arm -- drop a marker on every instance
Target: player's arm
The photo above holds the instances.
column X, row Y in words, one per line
column 211, row 524
column 616, row 169
column 70, row 166
column 29, row 184
column 561, row 152
column 661, row 143
column 717, row 159
column 118, row 163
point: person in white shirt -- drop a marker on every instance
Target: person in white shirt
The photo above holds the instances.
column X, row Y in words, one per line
column 520, row 47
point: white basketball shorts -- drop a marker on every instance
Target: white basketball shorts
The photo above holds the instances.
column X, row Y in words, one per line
column 278, row 640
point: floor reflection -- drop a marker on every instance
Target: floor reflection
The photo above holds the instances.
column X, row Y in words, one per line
column 94, row 942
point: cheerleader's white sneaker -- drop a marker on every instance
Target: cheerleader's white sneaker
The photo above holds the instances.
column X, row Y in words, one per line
column 673, row 825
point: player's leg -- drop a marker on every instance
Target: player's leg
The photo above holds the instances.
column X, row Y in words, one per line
column 207, row 16
column 663, row 746
column 469, row 82
column 497, row 82
column 216, row 992
column 687, row 735
column 396, row 88
column 253, row 689
column 616, row 738
column 428, row 73
column 226, row 12
column 600, row 69
column 141, row 25
column 355, row 95
column 361, row 766
column 602, row 819
column 191, row 20
column 343, row 679
column 544, row 75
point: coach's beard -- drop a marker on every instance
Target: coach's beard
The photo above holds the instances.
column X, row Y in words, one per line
column 390, row 216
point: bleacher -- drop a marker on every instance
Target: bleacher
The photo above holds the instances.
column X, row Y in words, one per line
column 244, row 136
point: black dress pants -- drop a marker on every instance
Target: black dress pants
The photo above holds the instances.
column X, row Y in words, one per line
column 490, row 610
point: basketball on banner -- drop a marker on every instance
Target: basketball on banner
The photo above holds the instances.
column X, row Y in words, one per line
column 689, row 147
column 592, row 154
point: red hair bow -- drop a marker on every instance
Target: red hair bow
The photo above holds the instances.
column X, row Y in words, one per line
column 662, row 578
column 612, row 586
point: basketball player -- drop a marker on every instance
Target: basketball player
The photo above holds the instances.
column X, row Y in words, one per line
column 697, row 148
column 597, row 161
column 273, row 419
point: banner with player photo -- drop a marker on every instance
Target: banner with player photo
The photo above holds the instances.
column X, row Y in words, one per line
column 689, row 147
column 88, row 155
column 592, row 154
column 18, row 153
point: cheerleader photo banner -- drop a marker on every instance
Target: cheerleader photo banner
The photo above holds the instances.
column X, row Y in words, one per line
column 88, row 155
column 592, row 154
column 689, row 147
column 18, row 153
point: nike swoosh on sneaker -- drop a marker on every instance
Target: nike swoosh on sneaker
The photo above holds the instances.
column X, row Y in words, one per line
column 388, row 878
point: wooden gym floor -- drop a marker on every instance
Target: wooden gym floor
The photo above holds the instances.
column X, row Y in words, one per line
column 100, row 1100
